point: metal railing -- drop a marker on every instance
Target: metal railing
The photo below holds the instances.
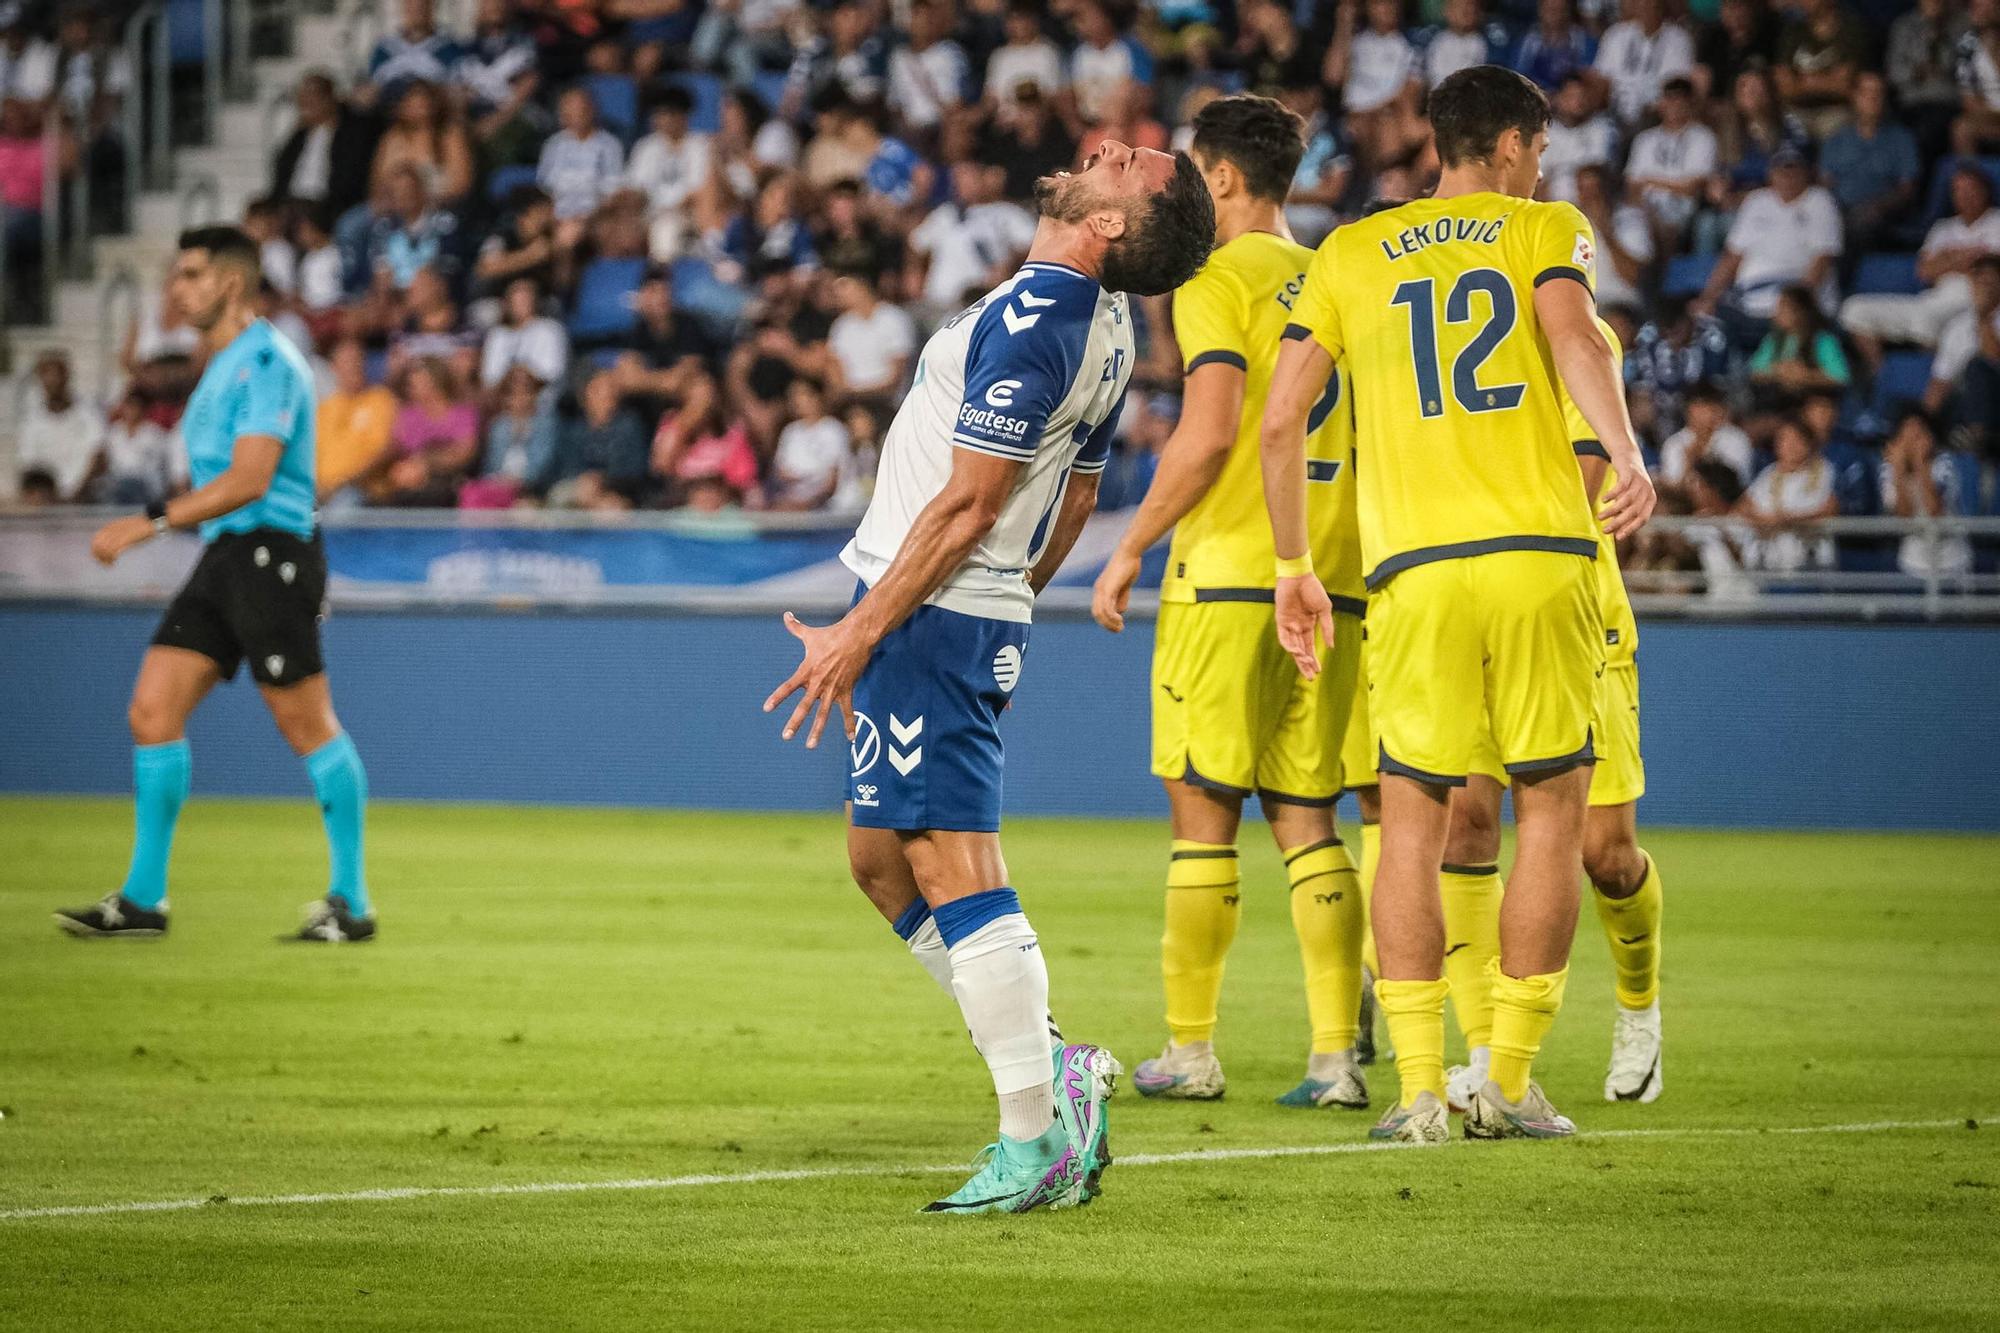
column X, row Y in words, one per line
column 148, row 110
column 123, row 282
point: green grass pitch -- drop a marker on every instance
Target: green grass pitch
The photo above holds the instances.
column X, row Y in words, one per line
column 567, row 996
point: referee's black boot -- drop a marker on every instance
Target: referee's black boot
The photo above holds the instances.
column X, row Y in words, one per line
column 328, row 921
column 113, row 917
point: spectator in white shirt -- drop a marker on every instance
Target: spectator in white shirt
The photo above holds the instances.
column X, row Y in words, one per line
column 1708, row 436
column 1671, row 163
column 142, row 462
column 1027, row 57
column 872, row 341
column 1792, row 493
column 319, row 291
column 927, row 77
column 1101, row 65
column 59, row 435
column 1953, row 244
column 27, row 63
column 524, row 337
column 972, row 241
column 580, row 165
column 1380, row 80
column 1639, row 55
column 1964, row 339
column 1461, row 45
column 672, row 162
column 1785, row 233
column 1578, row 137
column 814, row 461
column 1624, row 239
column 1918, row 482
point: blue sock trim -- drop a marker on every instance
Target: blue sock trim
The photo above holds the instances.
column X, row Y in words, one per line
column 958, row 919
column 322, row 763
column 912, row 920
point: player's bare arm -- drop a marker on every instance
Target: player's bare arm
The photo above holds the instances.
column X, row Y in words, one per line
column 948, row 529
column 1211, row 403
column 1079, row 501
column 251, row 467
column 1302, row 604
column 1589, row 370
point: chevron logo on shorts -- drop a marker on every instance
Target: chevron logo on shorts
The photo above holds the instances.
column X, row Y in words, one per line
column 901, row 733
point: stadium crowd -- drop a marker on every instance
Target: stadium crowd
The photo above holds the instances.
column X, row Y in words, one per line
column 616, row 254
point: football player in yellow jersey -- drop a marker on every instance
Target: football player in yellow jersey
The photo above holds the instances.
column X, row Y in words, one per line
column 1625, row 880
column 1231, row 714
column 1458, row 317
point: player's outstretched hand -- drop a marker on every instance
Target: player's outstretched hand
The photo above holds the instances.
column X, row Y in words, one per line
column 1630, row 503
column 1112, row 592
column 1304, row 612
column 834, row 658
column 118, row 536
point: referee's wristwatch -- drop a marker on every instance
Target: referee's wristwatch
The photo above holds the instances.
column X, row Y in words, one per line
column 156, row 513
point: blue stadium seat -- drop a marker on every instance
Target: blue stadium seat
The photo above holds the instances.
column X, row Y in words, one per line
column 1888, row 274
column 505, row 180
column 187, row 37
column 769, row 86
column 604, row 299
column 706, row 89
column 617, row 99
column 1686, row 275
column 1903, row 377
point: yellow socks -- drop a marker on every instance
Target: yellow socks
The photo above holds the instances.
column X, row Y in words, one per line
column 1632, row 929
column 1523, row 1009
column 1327, row 915
column 1371, row 856
column 1471, row 942
column 1202, row 912
column 1415, row 1014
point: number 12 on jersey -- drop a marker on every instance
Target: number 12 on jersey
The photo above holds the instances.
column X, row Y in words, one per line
column 1419, row 296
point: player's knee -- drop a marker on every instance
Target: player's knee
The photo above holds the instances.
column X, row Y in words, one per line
column 1473, row 837
column 153, row 720
column 1612, row 859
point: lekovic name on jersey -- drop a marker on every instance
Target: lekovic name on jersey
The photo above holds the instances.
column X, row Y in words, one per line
column 1437, row 231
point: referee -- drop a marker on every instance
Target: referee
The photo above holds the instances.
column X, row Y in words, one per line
column 256, row 593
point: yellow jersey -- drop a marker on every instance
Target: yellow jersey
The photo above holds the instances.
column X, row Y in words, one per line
column 1621, row 627
column 1234, row 311
column 1461, row 448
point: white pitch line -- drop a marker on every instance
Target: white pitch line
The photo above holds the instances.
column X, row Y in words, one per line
column 396, row 1194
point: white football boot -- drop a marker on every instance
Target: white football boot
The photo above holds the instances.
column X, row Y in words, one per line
column 1635, row 1074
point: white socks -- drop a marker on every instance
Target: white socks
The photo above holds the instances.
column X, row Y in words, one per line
column 1002, row 985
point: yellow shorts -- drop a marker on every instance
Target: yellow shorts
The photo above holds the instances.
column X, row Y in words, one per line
column 1621, row 772
column 1357, row 751
column 1620, row 775
column 1513, row 636
column 1231, row 711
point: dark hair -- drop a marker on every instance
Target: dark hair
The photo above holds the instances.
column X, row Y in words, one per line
column 673, row 98
column 1721, row 478
column 1169, row 242
column 1471, row 110
column 1678, row 86
column 1259, row 136
column 1986, row 264
column 226, row 245
column 1977, row 173
column 1706, row 391
column 524, row 197
column 1910, row 410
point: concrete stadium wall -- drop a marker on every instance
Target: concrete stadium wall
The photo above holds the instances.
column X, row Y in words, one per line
column 1746, row 725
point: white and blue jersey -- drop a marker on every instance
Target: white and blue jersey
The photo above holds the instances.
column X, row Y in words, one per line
column 258, row 385
column 1035, row 371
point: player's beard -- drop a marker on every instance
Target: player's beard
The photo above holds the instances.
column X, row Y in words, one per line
column 1064, row 198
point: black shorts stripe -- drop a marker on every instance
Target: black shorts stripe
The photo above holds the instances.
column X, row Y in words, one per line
column 1424, row 555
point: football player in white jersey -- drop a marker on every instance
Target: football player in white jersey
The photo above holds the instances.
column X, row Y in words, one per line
column 987, row 475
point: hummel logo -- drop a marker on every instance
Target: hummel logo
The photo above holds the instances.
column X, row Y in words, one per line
column 1015, row 323
column 1030, row 301
column 1636, row 939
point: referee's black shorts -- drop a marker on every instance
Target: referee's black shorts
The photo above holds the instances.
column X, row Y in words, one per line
column 259, row 594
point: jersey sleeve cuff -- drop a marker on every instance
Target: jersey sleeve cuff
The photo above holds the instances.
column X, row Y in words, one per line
column 1019, row 453
column 1219, row 357
column 1563, row 271
column 1590, row 449
column 1090, row 468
